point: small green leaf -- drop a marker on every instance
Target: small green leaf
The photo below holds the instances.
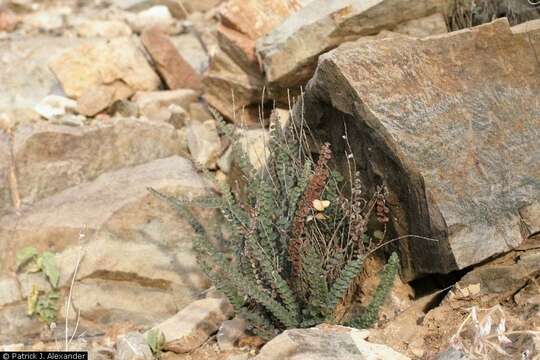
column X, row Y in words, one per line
column 32, row 300
column 48, row 265
column 155, row 340
column 378, row 234
column 25, row 255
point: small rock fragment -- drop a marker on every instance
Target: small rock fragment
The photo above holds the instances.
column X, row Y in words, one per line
column 132, row 346
column 326, row 342
column 8, row 19
column 95, row 99
column 53, row 106
column 157, row 16
column 9, row 291
column 422, row 27
column 102, row 28
column 155, row 105
column 172, row 67
column 204, row 143
column 190, row 328
column 229, row 333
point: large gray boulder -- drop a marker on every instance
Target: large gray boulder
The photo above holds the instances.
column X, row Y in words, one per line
column 289, row 53
column 450, row 124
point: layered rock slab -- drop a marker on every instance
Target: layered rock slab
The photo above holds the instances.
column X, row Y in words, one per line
column 137, row 259
column 289, row 52
column 50, row 158
column 450, row 125
column 326, row 342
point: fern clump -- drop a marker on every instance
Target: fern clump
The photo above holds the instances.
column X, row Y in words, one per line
column 297, row 240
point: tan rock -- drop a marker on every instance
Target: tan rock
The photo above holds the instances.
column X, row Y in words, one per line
column 108, row 29
column 232, row 91
column 96, row 99
column 8, row 19
column 9, row 291
column 191, row 49
column 256, row 18
column 176, row 72
column 25, row 76
column 452, row 148
column 157, row 16
column 430, row 25
column 118, row 63
column 199, row 112
column 132, row 346
column 203, row 142
column 51, row 158
column 156, row 105
column 526, row 26
column 240, row 48
column 289, row 53
column 137, row 264
column 326, row 342
column 255, row 144
column 194, row 324
column 230, row 332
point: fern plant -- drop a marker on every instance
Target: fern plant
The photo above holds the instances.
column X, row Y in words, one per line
column 297, row 239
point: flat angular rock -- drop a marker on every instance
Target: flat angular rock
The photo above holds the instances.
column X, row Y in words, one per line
column 51, row 158
column 234, row 82
column 203, row 142
column 194, row 324
column 426, row 26
column 102, row 28
column 500, row 279
column 289, row 53
column 173, row 68
column 25, row 76
column 326, row 342
column 229, row 333
column 453, row 135
column 9, row 290
column 95, row 99
column 118, row 63
column 155, row 105
column 132, row 346
column 192, row 50
column 155, row 17
column 232, row 90
column 117, row 201
column 137, row 266
column 256, row 18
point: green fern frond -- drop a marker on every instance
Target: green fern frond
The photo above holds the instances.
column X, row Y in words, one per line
column 388, row 276
column 343, row 282
column 315, row 276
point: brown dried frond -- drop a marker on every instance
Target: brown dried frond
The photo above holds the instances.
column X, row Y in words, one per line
column 358, row 220
column 312, row 192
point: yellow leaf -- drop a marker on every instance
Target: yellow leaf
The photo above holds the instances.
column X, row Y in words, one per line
column 320, row 216
column 320, row 205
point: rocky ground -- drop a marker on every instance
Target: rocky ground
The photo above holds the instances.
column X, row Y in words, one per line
column 101, row 99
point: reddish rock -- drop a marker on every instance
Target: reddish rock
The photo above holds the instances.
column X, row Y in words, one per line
column 239, row 47
column 8, row 19
column 173, row 68
column 256, row 18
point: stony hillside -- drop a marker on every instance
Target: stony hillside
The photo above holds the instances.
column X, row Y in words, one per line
column 436, row 101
